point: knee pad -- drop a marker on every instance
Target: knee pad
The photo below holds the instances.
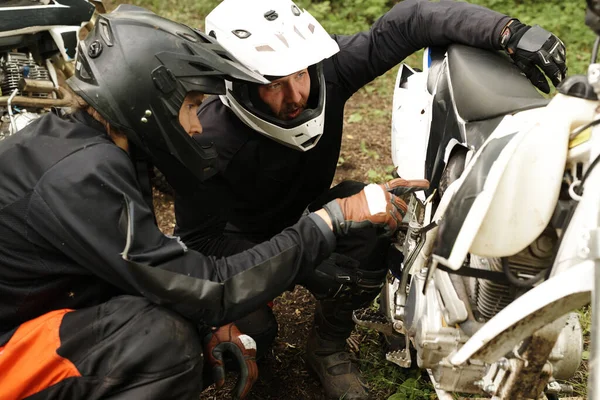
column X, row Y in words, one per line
column 340, row 275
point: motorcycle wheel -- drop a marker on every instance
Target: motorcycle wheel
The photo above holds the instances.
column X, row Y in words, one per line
column 455, row 167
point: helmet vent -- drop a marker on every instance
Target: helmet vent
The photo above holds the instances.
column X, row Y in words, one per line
column 264, row 48
column 164, row 79
column 282, row 38
column 83, row 72
column 241, row 33
column 295, row 10
column 271, row 15
column 105, row 32
column 298, row 32
column 309, row 142
column 188, row 36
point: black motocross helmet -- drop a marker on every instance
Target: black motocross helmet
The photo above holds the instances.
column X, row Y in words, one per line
column 135, row 68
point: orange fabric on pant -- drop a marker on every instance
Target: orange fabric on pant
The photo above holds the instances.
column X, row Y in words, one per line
column 29, row 362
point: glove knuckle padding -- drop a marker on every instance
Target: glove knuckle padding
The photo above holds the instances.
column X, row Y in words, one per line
column 534, row 39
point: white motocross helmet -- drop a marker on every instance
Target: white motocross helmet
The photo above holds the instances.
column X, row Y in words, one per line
column 276, row 39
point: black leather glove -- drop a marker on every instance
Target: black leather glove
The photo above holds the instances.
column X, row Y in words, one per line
column 532, row 47
column 376, row 205
column 228, row 339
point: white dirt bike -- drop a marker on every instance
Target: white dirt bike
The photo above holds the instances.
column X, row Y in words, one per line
column 499, row 253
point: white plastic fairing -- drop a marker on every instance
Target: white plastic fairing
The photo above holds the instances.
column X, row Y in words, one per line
column 57, row 33
column 522, row 186
column 273, row 37
column 411, row 121
column 529, row 186
column 586, row 218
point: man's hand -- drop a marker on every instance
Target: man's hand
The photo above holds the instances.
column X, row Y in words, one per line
column 532, row 47
column 375, row 205
column 228, row 339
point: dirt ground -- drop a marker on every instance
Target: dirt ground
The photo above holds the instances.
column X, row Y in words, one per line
column 283, row 374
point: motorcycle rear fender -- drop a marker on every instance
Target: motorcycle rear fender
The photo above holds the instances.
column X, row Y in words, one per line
column 499, row 209
column 20, row 20
column 411, row 121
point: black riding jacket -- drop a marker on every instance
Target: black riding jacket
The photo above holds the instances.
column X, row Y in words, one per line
column 263, row 186
column 75, row 231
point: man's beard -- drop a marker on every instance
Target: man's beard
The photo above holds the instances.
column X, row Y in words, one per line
column 284, row 113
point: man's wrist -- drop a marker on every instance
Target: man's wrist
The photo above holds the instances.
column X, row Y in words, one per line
column 325, row 229
column 510, row 35
column 323, row 214
column 335, row 213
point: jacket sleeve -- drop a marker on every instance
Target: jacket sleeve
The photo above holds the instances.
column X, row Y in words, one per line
column 201, row 221
column 209, row 237
column 410, row 26
column 90, row 208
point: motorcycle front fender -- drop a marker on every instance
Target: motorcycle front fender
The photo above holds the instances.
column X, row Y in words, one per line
column 538, row 307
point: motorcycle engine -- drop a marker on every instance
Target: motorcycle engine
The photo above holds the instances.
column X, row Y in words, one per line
column 524, row 268
column 14, row 67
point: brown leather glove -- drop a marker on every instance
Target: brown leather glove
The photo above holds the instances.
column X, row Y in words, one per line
column 375, row 205
column 229, row 339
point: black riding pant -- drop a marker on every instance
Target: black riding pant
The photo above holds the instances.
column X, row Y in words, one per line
column 126, row 348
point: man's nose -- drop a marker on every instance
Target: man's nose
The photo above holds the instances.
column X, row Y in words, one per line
column 195, row 127
column 293, row 93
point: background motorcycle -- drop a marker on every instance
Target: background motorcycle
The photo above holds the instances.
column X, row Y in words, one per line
column 38, row 41
column 502, row 248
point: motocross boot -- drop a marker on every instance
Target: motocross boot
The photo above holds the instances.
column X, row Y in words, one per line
column 326, row 352
column 339, row 375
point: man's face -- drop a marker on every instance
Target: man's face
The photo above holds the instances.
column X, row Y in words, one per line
column 188, row 113
column 287, row 96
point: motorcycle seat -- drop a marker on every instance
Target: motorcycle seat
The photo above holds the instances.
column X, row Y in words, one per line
column 487, row 84
column 34, row 16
